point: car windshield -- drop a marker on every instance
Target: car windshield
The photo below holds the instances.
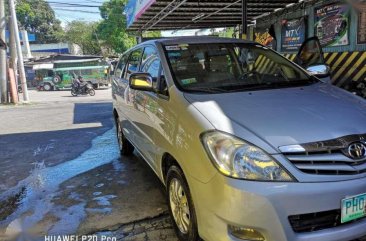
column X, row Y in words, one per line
column 230, row 67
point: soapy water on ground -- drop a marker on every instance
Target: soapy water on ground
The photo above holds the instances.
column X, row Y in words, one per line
column 36, row 192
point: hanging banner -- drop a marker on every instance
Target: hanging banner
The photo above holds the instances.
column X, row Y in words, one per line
column 262, row 36
column 331, row 24
column 130, row 12
column 293, row 34
column 361, row 28
column 135, row 8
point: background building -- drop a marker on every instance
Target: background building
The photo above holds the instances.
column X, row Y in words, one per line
column 340, row 29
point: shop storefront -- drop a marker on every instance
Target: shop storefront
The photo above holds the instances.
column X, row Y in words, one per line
column 340, row 29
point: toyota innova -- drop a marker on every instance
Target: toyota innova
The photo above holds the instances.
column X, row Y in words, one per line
column 249, row 145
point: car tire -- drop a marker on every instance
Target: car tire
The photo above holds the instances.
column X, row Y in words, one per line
column 179, row 199
column 125, row 147
column 47, row 87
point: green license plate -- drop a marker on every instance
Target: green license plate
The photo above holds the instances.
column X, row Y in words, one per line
column 353, row 208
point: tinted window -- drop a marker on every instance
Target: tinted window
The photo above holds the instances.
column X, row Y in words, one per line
column 149, row 53
column 120, row 67
column 310, row 53
column 151, row 64
column 133, row 63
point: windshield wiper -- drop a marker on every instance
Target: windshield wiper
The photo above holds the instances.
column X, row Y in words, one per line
column 206, row 89
column 267, row 85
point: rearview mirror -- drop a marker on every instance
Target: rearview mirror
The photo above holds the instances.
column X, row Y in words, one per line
column 141, row 81
column 320, row 71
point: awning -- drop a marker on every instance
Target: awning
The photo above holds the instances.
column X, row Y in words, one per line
column 145, row 15
column 42, row 66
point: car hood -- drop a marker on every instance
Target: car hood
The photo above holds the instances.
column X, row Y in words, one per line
column 286, row 116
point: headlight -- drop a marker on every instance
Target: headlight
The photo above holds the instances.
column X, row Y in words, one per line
column 238, row 159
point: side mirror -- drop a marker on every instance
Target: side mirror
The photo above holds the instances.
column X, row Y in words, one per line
column 141, row 81
column 320, row 71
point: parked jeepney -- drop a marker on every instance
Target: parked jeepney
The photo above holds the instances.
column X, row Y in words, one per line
column 59, row 74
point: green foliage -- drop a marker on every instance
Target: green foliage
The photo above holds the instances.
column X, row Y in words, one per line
column 112, row 29
column 227, row 33
column 152, row 34
column 83, row 34
column 37, row 16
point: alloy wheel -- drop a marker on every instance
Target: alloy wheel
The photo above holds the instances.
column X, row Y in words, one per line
column 179, row 205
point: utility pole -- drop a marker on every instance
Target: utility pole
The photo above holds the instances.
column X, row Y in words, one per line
column 3, row 71
column 244, row 19
column 28, row 53
column 13, row 53
column 14, row 25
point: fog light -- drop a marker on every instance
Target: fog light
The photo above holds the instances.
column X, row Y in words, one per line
column 248, row 234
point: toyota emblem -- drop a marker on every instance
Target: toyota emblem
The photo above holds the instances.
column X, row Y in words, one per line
column 357, row 150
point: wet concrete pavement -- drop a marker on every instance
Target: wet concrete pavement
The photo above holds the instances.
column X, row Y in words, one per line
column 61, row 173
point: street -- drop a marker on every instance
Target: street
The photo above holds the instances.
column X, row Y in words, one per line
column 62, row 173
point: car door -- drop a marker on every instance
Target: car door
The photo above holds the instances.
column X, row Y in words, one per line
column 127, row 96
column 119, row 85
column 146, row 106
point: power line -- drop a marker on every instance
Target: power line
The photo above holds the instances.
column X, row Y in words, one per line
column 65, row 6
column 75, row 4
column 93, row 1
column 73, row 10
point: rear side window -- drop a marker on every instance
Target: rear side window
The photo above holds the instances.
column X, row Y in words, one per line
column 133, row 63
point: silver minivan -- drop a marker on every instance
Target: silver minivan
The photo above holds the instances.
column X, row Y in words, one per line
column 249, row 145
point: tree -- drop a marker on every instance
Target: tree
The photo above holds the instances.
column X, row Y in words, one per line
column 152, row 34
column 37, row 16
column 112, row 28
column 84, row 35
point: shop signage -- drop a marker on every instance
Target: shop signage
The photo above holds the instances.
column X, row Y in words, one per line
column 293, row 34
column 263, row 36
column 331, row 24
column 135, row 8
column 361, row 28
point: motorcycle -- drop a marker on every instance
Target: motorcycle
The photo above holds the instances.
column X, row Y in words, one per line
column 86, row 89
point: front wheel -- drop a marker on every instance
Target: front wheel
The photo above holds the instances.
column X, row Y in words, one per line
column 181, row 206
column 91, row 92
column 47, row 87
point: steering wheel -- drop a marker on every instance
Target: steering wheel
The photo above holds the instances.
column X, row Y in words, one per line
column 251, row 77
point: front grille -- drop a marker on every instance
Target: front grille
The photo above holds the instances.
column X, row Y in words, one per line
column 327, row 163
column 328, row 157
column 317, row 221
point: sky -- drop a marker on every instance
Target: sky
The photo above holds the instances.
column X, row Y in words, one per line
column 87, row 10
column 67, row 11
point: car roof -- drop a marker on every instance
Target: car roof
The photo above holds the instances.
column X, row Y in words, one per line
column 194, row 40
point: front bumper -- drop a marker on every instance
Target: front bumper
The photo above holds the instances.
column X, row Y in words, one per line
column 266, row 207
